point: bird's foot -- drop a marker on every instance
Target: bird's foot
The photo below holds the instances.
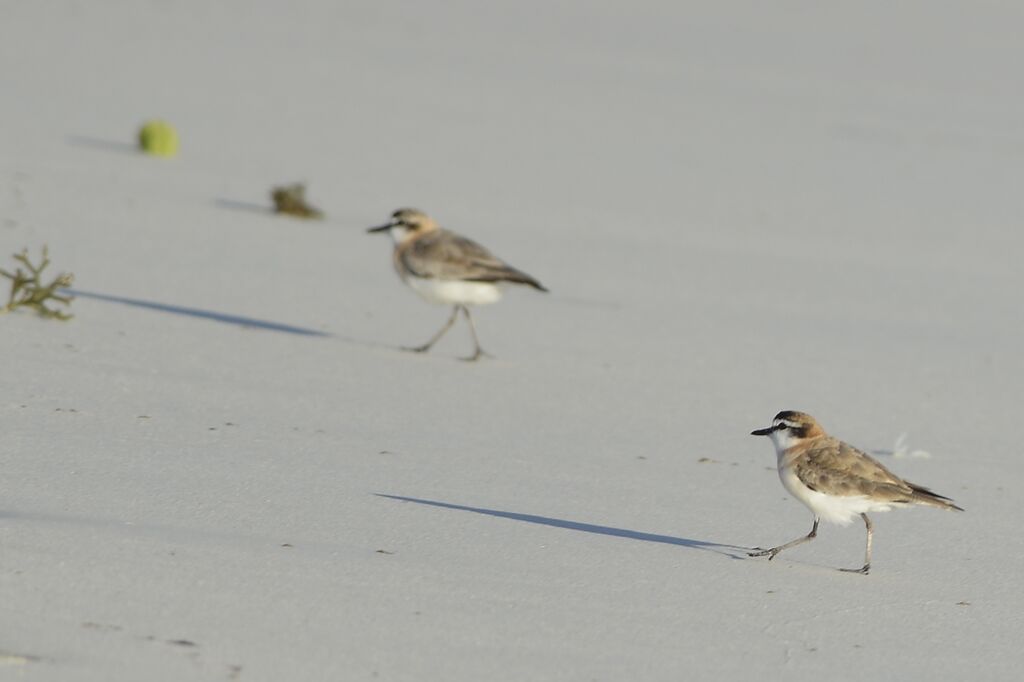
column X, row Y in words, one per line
column 863, row 570
column 770, row 553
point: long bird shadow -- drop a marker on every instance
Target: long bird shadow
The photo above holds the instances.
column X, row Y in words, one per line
column 226, row 318
column 731, row 551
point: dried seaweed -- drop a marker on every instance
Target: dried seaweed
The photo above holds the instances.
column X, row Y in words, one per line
column 28, row 290
column 291, row 199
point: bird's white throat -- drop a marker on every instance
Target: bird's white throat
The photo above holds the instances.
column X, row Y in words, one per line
column 783, row 440
column 398, row 233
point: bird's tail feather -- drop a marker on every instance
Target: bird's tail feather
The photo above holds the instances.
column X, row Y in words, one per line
column 510, row 275
column 923, row 495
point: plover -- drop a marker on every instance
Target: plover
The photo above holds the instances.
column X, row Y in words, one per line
column 444, row 267
column 836, row 481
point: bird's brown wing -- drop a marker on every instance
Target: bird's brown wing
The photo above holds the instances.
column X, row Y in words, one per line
column 446, row 255
column 845, row 471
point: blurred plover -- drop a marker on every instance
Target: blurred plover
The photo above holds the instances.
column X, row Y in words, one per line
column 836, row 481
column 444, row 267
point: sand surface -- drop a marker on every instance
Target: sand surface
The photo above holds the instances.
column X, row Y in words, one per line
column 224, row 467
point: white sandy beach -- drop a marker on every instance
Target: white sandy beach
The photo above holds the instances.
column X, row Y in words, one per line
column 224, row 467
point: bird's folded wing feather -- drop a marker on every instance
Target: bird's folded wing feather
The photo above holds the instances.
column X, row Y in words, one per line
column 848, row 471
column 445, row 255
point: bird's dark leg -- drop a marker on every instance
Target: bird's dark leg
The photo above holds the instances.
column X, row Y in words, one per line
column 478, row 351
column 770, row 553
column 437, row 337
column 867, row 549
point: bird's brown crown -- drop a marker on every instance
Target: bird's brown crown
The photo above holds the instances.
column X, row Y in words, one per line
column 413, row 220
column 799, row 424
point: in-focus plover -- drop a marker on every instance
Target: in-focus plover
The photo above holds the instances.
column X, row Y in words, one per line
column 835, row 480
column 444, row 267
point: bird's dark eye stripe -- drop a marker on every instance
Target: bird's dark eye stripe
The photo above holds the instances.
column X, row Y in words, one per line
column 797, row 430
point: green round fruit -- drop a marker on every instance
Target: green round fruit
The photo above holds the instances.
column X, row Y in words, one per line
column 158, row 138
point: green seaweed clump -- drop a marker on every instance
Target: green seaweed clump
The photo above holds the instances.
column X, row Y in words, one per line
column 291, row 200
column 28, row 290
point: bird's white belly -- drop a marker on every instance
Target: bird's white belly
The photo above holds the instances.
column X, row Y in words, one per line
column 832, row 508
column 453, row 291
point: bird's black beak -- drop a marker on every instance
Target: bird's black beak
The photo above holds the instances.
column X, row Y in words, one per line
column 381, row 228
column 763, row 432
